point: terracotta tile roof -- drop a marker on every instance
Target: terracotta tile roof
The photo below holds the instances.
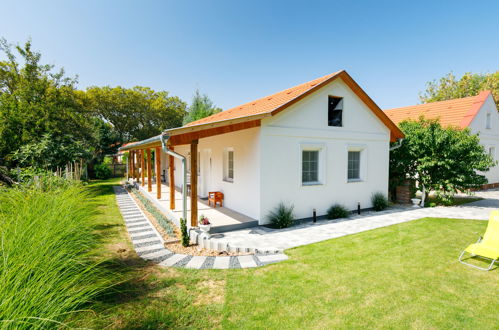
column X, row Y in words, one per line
column 456, row 112
column 266, row 104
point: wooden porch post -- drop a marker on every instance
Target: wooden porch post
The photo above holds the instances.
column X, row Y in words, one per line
column 129, row 167
column 171, row 175
column 157, row 155
column 194, row 183
column 149, row 170
column 132, row 159
column 142, row 168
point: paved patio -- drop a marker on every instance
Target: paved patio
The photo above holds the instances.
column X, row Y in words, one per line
column 266, row 239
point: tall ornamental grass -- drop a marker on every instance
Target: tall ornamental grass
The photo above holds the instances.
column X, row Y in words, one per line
column 47, row 269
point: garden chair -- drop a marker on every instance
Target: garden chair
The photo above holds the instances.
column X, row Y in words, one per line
column 215, row 197
column 488, row 247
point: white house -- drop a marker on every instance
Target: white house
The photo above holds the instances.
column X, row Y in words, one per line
column 312, row 145
column 478, row 113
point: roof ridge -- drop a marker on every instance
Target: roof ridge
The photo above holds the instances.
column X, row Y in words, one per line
column 443, row 101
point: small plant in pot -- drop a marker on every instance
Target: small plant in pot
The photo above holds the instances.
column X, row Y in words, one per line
column 205, row 225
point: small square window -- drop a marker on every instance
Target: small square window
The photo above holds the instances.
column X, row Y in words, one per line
column 335, row 111
column 354, row 165
column 310, row 166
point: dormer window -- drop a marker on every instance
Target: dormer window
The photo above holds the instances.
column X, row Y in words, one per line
column 487, row 123
column 335, row 111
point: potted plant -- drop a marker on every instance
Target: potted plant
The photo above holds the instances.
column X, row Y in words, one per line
column 205, row 225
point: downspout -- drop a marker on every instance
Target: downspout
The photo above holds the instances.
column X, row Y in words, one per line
column 164, row 139
column 398, row 145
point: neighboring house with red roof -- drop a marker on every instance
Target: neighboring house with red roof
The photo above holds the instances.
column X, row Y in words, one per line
column 310, row 146
column 478, row 113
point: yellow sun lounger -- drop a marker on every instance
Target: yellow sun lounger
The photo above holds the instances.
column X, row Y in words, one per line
column 488, row 247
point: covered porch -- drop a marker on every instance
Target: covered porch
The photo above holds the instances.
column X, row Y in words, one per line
column 222, row 219
column 172, row 159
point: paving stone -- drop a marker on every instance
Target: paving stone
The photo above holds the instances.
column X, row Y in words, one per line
column 247, row 261
column 144, row 225
column 144, row 249
column 172, row 259
column 150, row 251
column 221, row 262
column 155, row 255
column 146, row 242
column 234, row 262
column 208, row 262
column 196, row 262
column 140, row 237
column 138, row 231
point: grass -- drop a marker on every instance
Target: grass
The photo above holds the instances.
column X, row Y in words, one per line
column 48, row 265
column 402, row 276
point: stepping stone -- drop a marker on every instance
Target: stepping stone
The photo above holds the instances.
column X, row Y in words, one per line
column 144, row 249
column 139, row 226
column 196, row 262
column 247, row 261
column 173, row 259
column 221, row 263
column 146, row 236
column 272, row 258
column 155, row 255
column 138, row 231
column 146, row 243
column 146, row 240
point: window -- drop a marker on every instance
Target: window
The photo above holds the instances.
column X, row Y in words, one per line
column 335, row 110
column 353, row 165
column 310, row 167
column 229, row 165
column 492, row 152
column 487, row 123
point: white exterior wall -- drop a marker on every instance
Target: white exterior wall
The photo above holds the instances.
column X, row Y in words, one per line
column 488, row 137
column 241, row 195
column 305, row 124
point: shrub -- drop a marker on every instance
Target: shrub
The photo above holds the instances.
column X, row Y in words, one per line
column 47, row 271
column 337, row 211
column 282, row 216
column 185, row 232
column 379, row 201
column 102, row 171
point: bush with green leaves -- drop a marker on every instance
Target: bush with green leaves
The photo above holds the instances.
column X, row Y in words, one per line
column 379, row 201
column 37, row 178
column 282, row 216
column 47, row 271
column 184, row 232
column 102, row 171
column 337, row 211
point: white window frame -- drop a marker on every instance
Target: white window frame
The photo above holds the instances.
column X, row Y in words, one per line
column 492, row 152
column 226, row 165
column 321, row 163
column 363, row 163
column 488, row 120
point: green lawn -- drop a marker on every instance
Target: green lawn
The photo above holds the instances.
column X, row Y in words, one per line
column 400, row 276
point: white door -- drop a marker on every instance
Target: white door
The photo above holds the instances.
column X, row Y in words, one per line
column 205, row 172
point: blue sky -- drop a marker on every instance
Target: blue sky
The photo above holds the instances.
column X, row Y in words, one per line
column 238, row 51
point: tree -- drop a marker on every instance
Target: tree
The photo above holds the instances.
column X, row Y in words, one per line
column 137, row 113
column 470, row 84
column 36, row 102
column 445, row 160
column 200, row 107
